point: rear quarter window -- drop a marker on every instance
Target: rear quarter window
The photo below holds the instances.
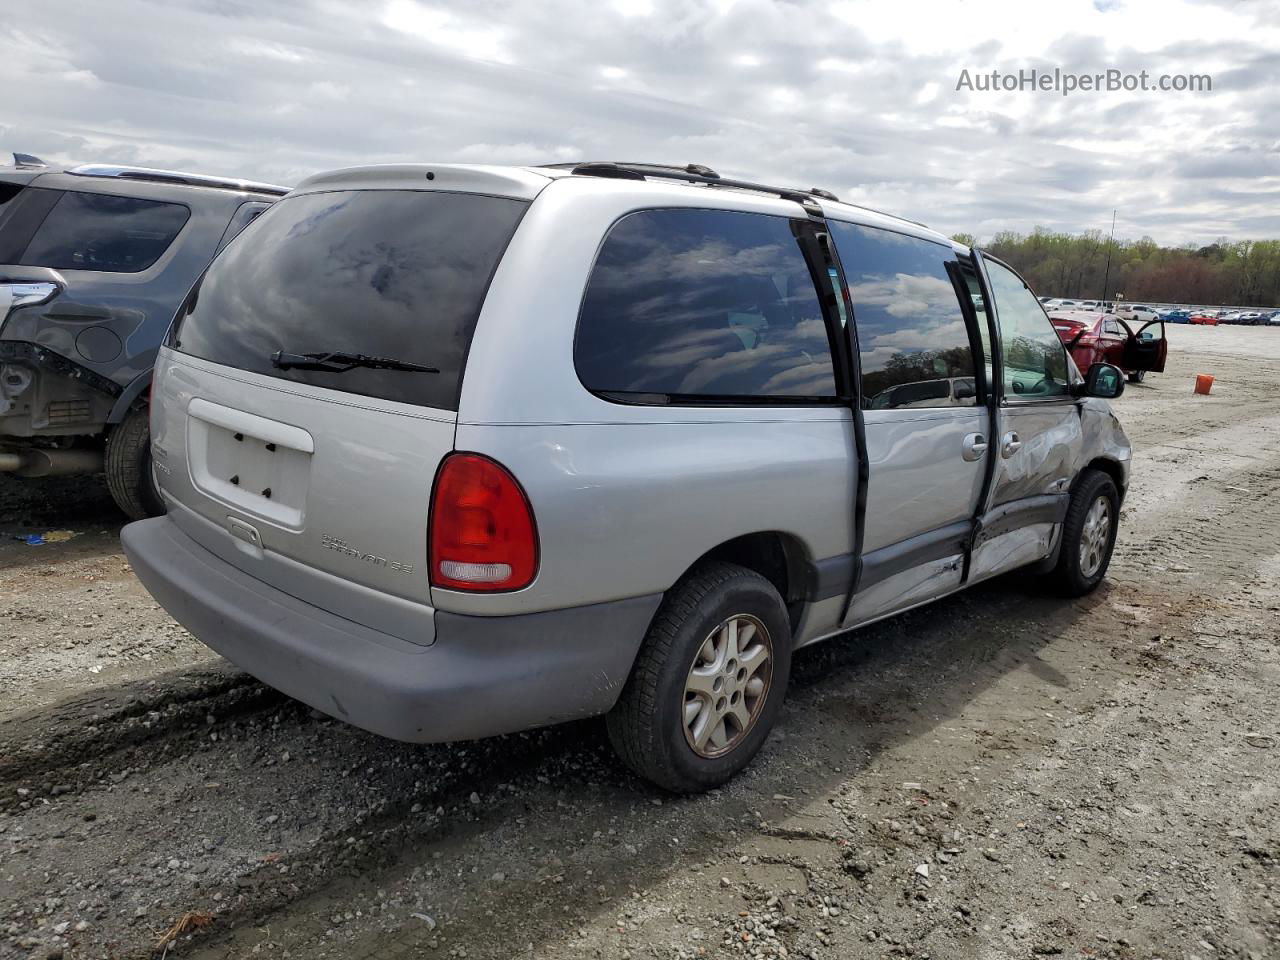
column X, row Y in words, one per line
column 400, row 274
column 88, row 231
column 689, row 305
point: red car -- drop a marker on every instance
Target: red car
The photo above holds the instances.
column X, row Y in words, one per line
column 1206, row 319
column 1103, row 338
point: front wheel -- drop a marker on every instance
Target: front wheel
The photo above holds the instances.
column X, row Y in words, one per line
column 1137, row 376
column 708, row 682
column 1088, row 535
column 128, row 466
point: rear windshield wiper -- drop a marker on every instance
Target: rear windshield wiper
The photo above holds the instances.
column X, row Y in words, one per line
column 342, row 362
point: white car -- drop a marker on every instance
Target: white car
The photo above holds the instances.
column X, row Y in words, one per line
column 1136, row 312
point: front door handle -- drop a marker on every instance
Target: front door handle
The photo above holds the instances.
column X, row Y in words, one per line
column 1010, row 445
column 974, row 446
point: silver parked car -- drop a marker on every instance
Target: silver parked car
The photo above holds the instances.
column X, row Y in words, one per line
column 453, row 451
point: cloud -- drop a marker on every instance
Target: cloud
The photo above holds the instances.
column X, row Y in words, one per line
column 857, row 97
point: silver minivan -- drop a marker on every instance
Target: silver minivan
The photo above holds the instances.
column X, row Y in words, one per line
column 453, row 451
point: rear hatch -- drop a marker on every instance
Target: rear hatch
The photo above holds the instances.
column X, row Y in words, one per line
column 314, row 472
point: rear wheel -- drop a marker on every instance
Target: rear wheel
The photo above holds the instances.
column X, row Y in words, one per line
column 128, row 466
column 708, row 682
column 1137, row 376
column 1088, row 535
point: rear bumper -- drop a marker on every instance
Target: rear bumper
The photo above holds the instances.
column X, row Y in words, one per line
column 483, row 675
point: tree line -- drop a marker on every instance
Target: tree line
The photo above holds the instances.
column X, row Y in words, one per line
column 1243, row 273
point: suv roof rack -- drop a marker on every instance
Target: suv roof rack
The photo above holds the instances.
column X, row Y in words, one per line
column 697, row 173
column 25, row 161
column 690, row 173
column 175, row 176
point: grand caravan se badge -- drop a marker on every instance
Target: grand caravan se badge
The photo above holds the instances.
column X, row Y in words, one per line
column 336, row 543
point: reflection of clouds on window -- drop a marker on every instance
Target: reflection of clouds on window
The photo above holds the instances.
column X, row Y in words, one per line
column 911, row 329
column 705, row 303
column 923, row 337
column 333, row 204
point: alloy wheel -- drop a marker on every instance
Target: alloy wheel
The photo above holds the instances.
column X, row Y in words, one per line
column 1095, row 536
column 727, row 685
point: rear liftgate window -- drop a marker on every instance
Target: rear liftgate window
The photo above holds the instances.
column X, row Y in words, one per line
column 703, row 306
column 399, row 274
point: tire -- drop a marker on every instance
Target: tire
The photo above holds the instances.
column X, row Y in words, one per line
column 1081, row 564
column 128, row 466
column 1137, row 376
column 687, row 645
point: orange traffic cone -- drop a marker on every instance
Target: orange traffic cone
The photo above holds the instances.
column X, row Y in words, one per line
column 1204, row 383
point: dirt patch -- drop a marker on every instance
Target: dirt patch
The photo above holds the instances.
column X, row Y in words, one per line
column 1002, row 774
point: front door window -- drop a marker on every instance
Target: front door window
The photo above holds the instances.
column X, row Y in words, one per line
column 1035, row 362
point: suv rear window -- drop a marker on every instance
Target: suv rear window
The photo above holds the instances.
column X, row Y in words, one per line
column 697, row 305
column 385, row 273
column 89, row 231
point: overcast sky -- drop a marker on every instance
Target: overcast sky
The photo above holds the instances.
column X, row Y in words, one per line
column 857, row 96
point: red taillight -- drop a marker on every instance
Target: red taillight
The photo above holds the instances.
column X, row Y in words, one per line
column 482, row 531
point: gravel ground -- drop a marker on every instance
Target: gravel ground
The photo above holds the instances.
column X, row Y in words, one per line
column 1000, row 775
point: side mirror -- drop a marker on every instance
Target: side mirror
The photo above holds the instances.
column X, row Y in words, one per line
column 1103, row 380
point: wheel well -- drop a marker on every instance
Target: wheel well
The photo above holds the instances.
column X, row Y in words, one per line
column 778, row 557
column 1112, row 469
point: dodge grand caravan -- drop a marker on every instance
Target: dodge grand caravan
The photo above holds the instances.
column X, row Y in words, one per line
column 453, row 451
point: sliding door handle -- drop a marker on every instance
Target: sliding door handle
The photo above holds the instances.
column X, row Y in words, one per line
column 1010, row 445
column 973, row 447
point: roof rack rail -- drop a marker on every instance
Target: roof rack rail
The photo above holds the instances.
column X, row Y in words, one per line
column 635, row 171
column 696, row 173
column 691, row 173
column 25, row 161
column 174, row 176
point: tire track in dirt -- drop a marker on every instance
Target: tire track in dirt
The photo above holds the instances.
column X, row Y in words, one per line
column 97, row 736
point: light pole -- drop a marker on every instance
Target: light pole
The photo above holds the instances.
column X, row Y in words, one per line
column 1106, row 279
